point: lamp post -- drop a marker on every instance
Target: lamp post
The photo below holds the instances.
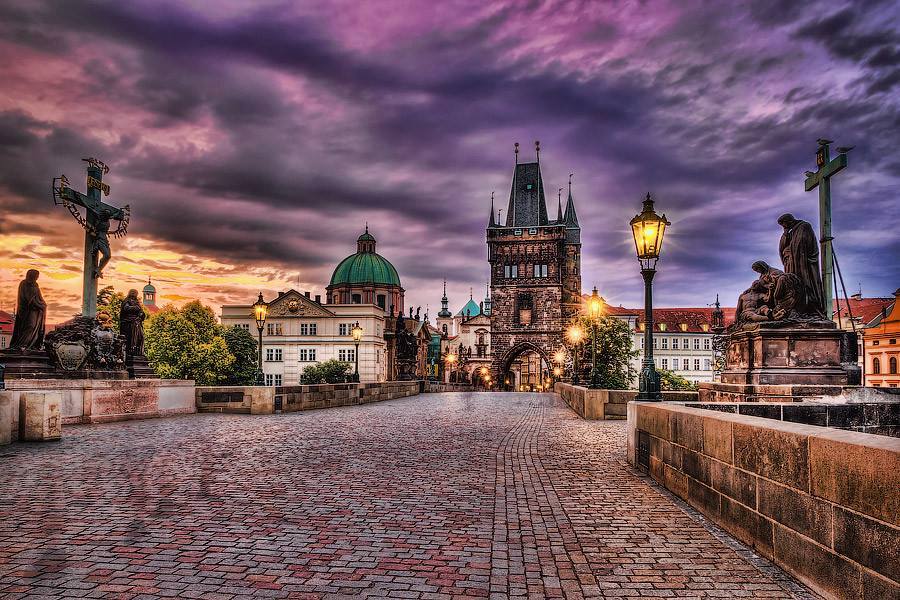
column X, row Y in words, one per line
column 450, row 358
column 595, row 306
column 357, row 333
column 575, row 334
column 648, row 229
column 260, row 310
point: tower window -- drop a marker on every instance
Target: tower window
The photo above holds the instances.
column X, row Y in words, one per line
column 523, row 309
column 532, row 231
column 540, row 270
column 510, row 271
column 517, row 232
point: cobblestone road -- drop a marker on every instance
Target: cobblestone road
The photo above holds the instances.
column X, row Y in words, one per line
column 436, row 496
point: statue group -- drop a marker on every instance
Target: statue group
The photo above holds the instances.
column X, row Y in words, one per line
column 789, row 297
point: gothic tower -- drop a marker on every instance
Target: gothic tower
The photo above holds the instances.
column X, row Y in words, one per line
column 535, row 280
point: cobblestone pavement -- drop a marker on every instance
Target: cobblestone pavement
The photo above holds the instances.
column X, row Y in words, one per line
column 435, row 496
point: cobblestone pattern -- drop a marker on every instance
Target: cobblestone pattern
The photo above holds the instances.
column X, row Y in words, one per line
column 439, row 496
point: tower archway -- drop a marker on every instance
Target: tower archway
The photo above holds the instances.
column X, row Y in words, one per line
column 523, row 367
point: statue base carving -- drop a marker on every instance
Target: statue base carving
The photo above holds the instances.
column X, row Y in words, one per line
column 29, row 364
column 406, row 370
column 84, row 348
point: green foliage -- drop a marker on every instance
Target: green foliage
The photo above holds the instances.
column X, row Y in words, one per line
column 187, row 343
column 670, row 381
column 330, row 371
column 110, row 302
column 242, row 346
column 614, row 353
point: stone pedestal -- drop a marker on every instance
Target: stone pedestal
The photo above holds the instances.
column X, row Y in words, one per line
column 26, row 365
column 7, row 422
column 785, row 364
column 139, row 368
column 39, row 417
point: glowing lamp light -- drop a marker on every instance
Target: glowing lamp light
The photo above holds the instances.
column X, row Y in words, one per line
column 595, row 304
column 557, row 371
column 559, row 357
column 575, row 334
column 260, row 310
column 484, row 371
column 356, row 332
column 648, row 229
column 451, row 358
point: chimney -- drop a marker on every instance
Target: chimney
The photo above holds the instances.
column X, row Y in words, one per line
column 318, row 299
column 306, row 294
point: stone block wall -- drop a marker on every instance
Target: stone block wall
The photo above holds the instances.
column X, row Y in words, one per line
column 262, row 400
column 606, row 404
column 821, row 503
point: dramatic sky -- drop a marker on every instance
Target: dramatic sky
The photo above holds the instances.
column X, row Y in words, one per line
column 253, row 140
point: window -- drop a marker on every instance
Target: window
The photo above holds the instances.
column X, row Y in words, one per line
column 682, row 326
column 540, row 270
column 705, row 326
column 346, row 355
column 523, row 309
column 654, row 343
column 274, row 329
column 685, row 343
column 356, row 299
column 665, row 343
column 892, row 365
column 2, row 342
column 662, row 326
column 893, row 341
column 707, row 365
column 307, row 354
column 532, row 230
column 696, row 343
column 642, row 343
column 517, row 232
column 308, row 328
column 696, row 364
column 382, row 301
column 875, row 343
column 273, row 379
column 707, row 344
column 686, row 364
column 665, row 363
column 273, row 355
column 510, row 271
column 244, row 326
column 345, row 328
column 876, row 366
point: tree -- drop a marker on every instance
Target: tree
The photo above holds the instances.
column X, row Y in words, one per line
column 330, row 371
column 243, row 347
column 670, row 381
column 187, row 343
column 614, row 353
column 110, row 302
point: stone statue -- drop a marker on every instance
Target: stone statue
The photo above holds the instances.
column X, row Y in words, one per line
column 799, row 250
column 784, row 291
column 131, row 324
column 31, row 315
column 751, row 305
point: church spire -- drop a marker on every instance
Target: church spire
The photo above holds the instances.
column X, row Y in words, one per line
column 559, row 213
column 492, row 223
column 570, row 219
column 445, row 308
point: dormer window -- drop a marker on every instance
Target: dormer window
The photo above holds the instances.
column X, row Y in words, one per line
column 683, row 326
column 662, row 326
column 705, row 327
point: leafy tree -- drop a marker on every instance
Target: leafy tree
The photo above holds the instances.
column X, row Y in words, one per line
column 242, row 346
column 330, row 371
column 614, row 352
column 187, row 343
column 670, row 381
column 110, row 302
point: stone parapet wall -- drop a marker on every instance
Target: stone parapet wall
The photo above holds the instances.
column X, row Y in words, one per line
column 437, row 387
column 821, row 503
column 607, row 404
column 262, row 400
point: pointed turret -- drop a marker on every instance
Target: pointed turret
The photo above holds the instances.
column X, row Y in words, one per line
column 492, row 222
column 527, row 204
column 570, row 219
column 559, row 212
column 445, row 309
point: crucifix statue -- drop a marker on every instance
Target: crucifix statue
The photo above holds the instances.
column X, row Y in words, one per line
column 96, row 226
column 827, row 167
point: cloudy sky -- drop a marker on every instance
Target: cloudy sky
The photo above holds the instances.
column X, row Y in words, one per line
column 253, row 141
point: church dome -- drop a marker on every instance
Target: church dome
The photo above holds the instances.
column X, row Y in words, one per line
column 149, row 287
column 471, row 309
column 366, row 266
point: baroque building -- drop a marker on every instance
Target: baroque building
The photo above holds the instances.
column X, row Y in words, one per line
column 535, row 282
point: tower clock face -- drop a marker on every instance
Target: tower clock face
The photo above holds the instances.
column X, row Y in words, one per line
column 293, row 306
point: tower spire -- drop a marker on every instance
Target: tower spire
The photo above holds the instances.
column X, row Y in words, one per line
column 492, row 222
column 445, row 308
column 559, row 213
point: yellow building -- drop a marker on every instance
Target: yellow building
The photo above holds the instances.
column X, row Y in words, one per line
column 882, row 350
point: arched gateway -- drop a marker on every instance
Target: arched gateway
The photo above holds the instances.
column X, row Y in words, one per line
column 535, row 278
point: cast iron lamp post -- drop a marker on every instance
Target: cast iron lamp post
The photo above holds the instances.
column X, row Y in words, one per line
column 595, row 306
column 260, row 309
column 450, row 358
column 648, row 229
column 357, row 333
column 575, row 334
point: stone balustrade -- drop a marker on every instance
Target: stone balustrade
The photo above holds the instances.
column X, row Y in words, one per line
column 606, row 404
column 821, row 503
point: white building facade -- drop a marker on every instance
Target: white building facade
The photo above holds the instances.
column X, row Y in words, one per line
column 299, row 332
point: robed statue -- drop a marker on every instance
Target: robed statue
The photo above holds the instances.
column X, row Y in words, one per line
column 131, row 324
column 31, row 315
column 799, row 250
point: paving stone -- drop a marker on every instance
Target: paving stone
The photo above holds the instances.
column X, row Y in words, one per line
column 454, row 495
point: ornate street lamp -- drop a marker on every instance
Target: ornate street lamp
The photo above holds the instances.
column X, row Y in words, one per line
column 595, row 307
column 648, row 229
column 260, row 310
column 575, row 335
column 451, row 359
column 357, row 333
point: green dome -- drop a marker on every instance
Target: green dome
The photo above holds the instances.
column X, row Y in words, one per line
column 471, row 308
column 149, row 287
column 365, row 267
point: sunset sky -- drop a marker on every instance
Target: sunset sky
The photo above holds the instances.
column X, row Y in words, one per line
column 254, row 140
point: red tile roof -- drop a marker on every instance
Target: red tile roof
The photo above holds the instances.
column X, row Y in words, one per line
column 6, row 323
column 673, row 318
column 866, row 309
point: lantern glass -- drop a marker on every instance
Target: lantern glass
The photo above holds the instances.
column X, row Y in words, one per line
column 260, row 310
column 357, row 332
column 595, row 305
column 648, row 229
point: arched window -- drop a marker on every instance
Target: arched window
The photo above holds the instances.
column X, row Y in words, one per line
column 876, row 366
column 892, row 365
